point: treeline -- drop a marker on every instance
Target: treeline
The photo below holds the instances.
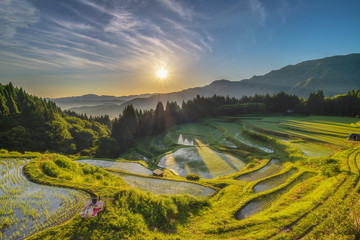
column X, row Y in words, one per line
column 29, row 123
column 133, row 124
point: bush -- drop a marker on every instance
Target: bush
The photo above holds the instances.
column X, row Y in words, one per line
column 64, row 162
column 3, row 151
column 99, row 176
column 330, row 167
column 87, row 169
column 161, row 212
column 193, row 177
column 51, row 169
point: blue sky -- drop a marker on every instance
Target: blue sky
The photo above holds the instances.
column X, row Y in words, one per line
column 114, row 47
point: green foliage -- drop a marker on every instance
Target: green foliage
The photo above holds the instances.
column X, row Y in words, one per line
column 330, row 167
column 61, row 167
column 51, row 169
column 161, row 212
column 193, row 177
column 66, row 163
column 31, row 123
column 126, row 224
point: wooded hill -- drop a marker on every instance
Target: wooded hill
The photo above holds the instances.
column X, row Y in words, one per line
column 29, row 123
column 333, row 75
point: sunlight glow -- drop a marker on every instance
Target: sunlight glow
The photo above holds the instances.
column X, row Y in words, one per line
column 162, row 73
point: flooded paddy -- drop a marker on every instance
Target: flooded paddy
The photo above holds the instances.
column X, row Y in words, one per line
column 234, row 130
column 312, row 150
column 189, row 139
column 272, row 167
column 27, row 208
column 123, row 166
column 201, row 160
column 162, row 186
column 264, row 202
column 273, row 182
column 219, row 137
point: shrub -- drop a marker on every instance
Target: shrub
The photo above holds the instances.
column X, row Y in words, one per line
column 193, row 177
column 87, row 169
column 51, row 169
column 99, row 176
column 330, row 167
column 64, row 162
column 161, row 212
column 3, row 151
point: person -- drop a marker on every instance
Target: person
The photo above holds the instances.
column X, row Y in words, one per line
column 93, row 201
column 89, row 210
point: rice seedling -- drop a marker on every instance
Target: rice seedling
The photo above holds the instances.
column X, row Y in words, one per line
column 124, row 166
column 24, row 205
column 162, row 186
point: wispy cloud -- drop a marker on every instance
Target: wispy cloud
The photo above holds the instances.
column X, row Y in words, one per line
column 122, row 22
column 72, row 25
column 114, row 36
column 16, row 14
column 177, row 8
column 258, row 9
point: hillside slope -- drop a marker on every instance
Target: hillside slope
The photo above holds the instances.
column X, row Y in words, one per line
column 334, row 75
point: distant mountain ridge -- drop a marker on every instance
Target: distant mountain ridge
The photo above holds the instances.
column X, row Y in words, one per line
column 93, row 100
column 334, row 75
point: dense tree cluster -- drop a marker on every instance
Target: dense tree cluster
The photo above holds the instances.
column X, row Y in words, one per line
column 31, row 123
column 340, row 105
column 34, row 124
column 133, row 124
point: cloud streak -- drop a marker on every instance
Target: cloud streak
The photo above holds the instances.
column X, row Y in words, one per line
column 15, row 14
column 175, row 7
column 121, row 40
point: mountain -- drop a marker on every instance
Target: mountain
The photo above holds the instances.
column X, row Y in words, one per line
column 93, row 100
column 334, row 75
column 110, row 109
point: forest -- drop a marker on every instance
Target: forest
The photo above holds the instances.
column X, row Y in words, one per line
column 30, row 123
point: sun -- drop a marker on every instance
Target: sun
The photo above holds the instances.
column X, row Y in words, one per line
column 162, row 73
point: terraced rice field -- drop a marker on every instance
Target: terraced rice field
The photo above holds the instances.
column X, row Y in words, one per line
column 162, row 186
column 290, row 197
column 219, row 137
column 201, row 160
column 272, row 167
column 273, row 182
column 264, row 202
column 312, row 150
column 123, row 166
column 27, row 208
column 234, row 130
column 334, row 130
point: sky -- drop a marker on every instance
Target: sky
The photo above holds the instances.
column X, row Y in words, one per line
column 62, row 48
